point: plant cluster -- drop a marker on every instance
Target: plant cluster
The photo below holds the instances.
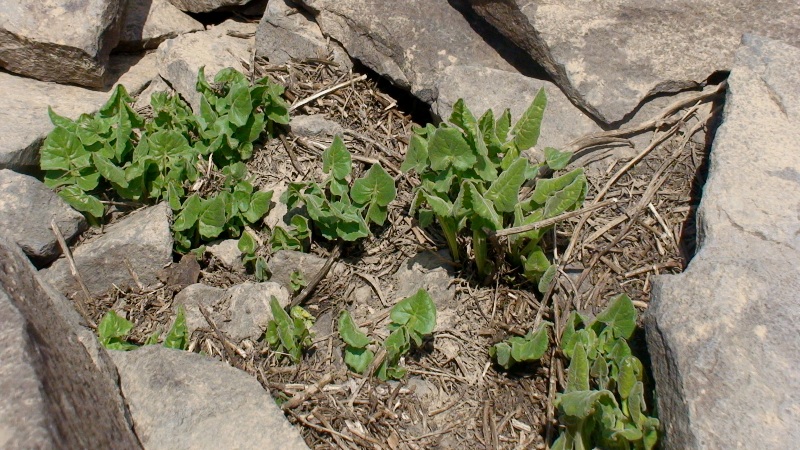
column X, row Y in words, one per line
column 521, row 349
column 160, row 158
column 471, row 173
column 289, row 333
column 113, row 329
column 412, row 319
column 256, row 263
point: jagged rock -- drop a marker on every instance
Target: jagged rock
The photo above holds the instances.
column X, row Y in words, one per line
column 282, row 263
column 157, row 84
column 204, row 6
column 59, row 40
column 227, row 252
column 407, row 41
column 287, row 32
column 52, row 395
column 222, row 46
column 26, row 208
column 241, row 311
column 143, row 239
column 315, row 125
column 149, row 23
column 723, row 336
column 182, row 400
column 608, row 56
column 24, row 122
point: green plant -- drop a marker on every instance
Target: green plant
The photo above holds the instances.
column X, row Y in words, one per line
column 113, row 329
column 248, row 246
column 472, row 172
column 338, row 210
column 296, row 237
column 297, row 281
column 411, row 320
column 289, row 334
column 519, row 349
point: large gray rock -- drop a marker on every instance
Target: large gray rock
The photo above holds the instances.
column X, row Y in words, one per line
column 222, row 46
column 723, row 336
column 407, row 41
column 143, row 240
column 26, row 209
column 24, row 122
column 149, row 23
column 182, row 400
column 59, row 40
column 608, row 55
column 204, row 6
column 52, row 395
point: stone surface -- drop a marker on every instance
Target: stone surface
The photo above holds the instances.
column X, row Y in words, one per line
column 143, row 239
column 723, row 336
column 282, row 263
column 434, row 273
column 59, row 40
column 157, row 84
column 287, row 32
column 182, row 400
column 407, row 41
column 148, row 23
column 24, row 122
column 609, row 55
column 180, row 58
column 26, row 209
column 227, row 252
column 241, row 311
column 52, row 395
column 203, row 6
column 315, row 125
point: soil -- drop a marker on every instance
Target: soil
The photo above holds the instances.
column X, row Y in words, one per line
column 453, row 397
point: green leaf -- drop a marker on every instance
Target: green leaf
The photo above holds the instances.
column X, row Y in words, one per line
column 578, row 379
column 501, row 352
column 190, row 212
column 475, row 204
column 241, row 106
column 178, row 336
column 582, row 403
column 535, row 263
column 247, row 244
column 620, row 316
column 349, row 332
column 626, row 378
column 109, row 171
column 212, row 218
column 62, row 150
column 531, row 347
column 259, row 206
column 417, row 313
column 284, row 329
column 111, row 332
column 358, row 359
column 504, row 192
column 568, row 198
column 556, row 159
column 547, row 187
column 81, row 201
column 417, row 155
column 568, row 336
column 447, row 147
column 61, row 121
column 526, row 130
column 502, row 125
column 374, row 190
column 547, row 278
column 462, row 117
column 336, row 160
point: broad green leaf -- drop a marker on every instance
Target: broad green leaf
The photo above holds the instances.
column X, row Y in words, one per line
column 282, row 240
column 81, row 201
column 531, row 347
column 535, row 263
column 110, row 171
column 416, row 156
column 62, row 150
column 546, row 187
column 628, row 434
column 504, row 192
column 475, row 203
column 568, row 336
column 547, row 278
column 501, row 352
column 336, row 160
column 241, row 106
column 417, row 313
column 61, row 121
column 578, row 379
column 502, row 125
column 620, row 316
column 599, row 372
column 526, row 130
column 113, row 326
column 247, row 244
column 178, row 336
column 463, row 118
column 374, row 190
column 284, row 328
column 212, row 217
column 582, row 403
column 568, row 198
column 349, row 332
column 358, row 359
column 259, row 206
column 626, row 378
column 440, row 206
column 556, row 159
column 636, row 405
column 190, row 212
column 447, row 147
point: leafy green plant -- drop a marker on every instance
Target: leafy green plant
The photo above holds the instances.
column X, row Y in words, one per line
column 113, row 329
column 412, row 319
column 248, row 246
column 519, row 349
column 297, row 281
column 296, row 237
column 289, row 334
column 338, row 210
column 471, row 174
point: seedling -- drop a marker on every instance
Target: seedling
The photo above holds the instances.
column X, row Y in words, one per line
column 519, row 349
column 289, row 334
column 113, row 329
column 297, row 281
column 248, row 246
column 296, row 237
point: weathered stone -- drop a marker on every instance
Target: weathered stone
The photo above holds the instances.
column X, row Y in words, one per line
column 608, row 55
column 282, row 263
column 227, row 252
column 723, row 335
column 180, row 399
column 222, row 46
column 143, row 240
column 434, row 273
column 315, row 125
column 562, row 120
column 287, row 32
column 59, row 40
column 26, row 208
column 157, row 84
column 407, row 41
column 24, row 122
column 204, row 6
column 241, row 311
column 149, row 23
column 51, row 393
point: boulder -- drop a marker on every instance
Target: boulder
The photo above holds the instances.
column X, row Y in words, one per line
column 723, row 336
column 26, row 209
column 228, row 253
column 282, row 263
column 24, row 122
column 149, row 23
column 142, row 241
column 222, row 46
column 182, row 400
column 287, row 32
column 60, row 40
column 608, row 55
column 52, row 395
column 204, row 6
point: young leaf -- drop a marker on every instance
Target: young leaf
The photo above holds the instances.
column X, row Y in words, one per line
column 582, row 403
column 109, row 171
column 504, row 192
column 358, row 359
column 531, row 347
column 212, row 217
column 178, row 336
column 620, row 316
column 476, row 205
column 112, row 329
column 374, row 190
column 81, row 201
column 259, row 206
column 62, row 150
column 447, row 147
column 502, row 125
column 501, row 352
column 556, row 159
column 336, row 160
column 349, row 332
column 247, row 244
column 463, row 118
column 417, row 155
column 526, row 130
column 578, row 378
column 282, row 240
column 417, row 313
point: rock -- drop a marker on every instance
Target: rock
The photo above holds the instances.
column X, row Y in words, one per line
column 182, row 400
column 149, row 23
column 228, row 253
column 315, row 125
column 287, row 32
column 179, row 59
column 52, row 393
column 143, row 239
column 407, row 41
column 277, row 214
column 157, row 84
column 562, row 121
column 434, row 273
column 608, row 56
column 24, row 122
column 59, row 40
column 723, row 335
column 26, row 208
column 241, row 311
column 282, row 263
column 204, row 6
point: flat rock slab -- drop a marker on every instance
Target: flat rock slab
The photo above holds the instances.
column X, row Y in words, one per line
column 52, row 395
column 407, row 41
column 204, row 6
column 609, row 55
column 723, row 336
column 142, row 240
column 59, row 40
column 27, row 207
column 182, row 400
column 149, row 23
column 24, row 122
